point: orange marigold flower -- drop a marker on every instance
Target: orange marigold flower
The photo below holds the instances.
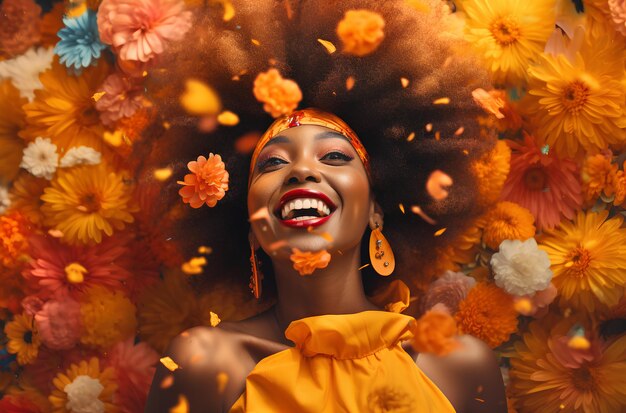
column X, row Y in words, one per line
column 434, row 332
column 307, row 262
column 13, row 242
column 280, row 96
column 487, row 313
column 491, row 172
column 598, row 174
column 507, row 221
column 361, row 31
column 619, row 187
column 207, row 184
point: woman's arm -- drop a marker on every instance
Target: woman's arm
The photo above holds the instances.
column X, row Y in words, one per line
column 207, row 377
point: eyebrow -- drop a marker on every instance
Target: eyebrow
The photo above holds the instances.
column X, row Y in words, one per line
column 321, row 135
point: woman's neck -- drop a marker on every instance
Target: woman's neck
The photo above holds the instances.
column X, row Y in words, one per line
column 336, row 289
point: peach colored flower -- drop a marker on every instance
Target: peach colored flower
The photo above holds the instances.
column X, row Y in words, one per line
column 207, row 184
column 435, row 333
column 139, row 30
column 278, row 95
column 58, row 323
column 361, row 31
column 449, row 290
column 618, row 14
column 539, row 302
column 307, row 262
column 122, row 97
column 547, row 186
column 134, row 365
column 19, row 26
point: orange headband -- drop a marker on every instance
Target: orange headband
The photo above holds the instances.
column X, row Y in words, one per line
column 310, row 116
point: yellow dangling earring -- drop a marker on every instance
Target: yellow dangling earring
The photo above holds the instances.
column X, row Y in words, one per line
column 381, row 255
column 256, row 277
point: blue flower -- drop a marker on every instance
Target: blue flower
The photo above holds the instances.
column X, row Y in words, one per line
column 80, row 43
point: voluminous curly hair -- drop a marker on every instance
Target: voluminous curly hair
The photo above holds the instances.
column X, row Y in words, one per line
column 419, row 46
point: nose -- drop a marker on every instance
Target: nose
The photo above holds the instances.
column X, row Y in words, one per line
column 303, row 171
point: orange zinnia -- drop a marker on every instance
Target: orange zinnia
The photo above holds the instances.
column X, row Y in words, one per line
column 434, row 332
column 207, row 184
column 280, row 96
column 307, row 262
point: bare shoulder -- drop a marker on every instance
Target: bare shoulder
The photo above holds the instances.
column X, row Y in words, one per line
column 469, row 377
column 212, row 366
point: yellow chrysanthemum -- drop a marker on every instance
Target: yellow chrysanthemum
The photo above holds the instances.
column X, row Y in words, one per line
column 23, row 338
column 64, row 109
column 507, row 220
column 25, row 196
column 548, row 376
column 588, row 259
column 11, row 121
column 491, row 172
column 581, row 105
column 84, row 387
column 509, row 34
column 85, row 202
column 108, row 317
column 171, row 306
column 462, row 250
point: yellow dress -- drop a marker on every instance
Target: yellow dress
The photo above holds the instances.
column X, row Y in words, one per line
column 343, row 363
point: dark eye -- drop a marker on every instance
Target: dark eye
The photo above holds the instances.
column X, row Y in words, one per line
column 337, row 156
column 270, row 162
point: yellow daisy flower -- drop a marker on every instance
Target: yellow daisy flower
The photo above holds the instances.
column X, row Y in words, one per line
column 588, row 259
column 509, row 33
column 64, row 110
column 549, row 376
column 84, row 387
column 11, row 121
column 85, row 202
column 581, row 105
column 23, row 338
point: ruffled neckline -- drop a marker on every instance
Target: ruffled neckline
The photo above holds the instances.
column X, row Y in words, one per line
column 349, row 336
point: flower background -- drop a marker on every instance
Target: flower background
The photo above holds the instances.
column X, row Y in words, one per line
column 92, row 291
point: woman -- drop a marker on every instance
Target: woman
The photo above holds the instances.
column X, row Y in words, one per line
column 348, row 353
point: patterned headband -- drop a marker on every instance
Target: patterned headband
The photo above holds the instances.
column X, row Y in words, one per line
column 310, row 116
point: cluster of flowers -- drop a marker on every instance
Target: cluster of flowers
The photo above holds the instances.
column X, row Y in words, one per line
column 82, row 265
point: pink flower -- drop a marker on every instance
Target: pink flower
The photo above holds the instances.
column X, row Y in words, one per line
column 573, row 358
column 618, row 14
column 122, row 97
column 447, row 291
column 59, row 323
column 547, row 186
column 134, row 366
column 539, row 302
column 140, row 29
column 32, row 304
column 57, row 268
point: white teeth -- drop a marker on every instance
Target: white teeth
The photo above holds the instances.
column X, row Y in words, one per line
column 305, row 203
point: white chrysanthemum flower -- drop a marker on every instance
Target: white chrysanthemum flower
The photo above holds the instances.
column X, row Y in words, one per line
column 82, row 395
column 41, row 158
column 5, row 201
column 521, row 267
column 80, row 155
column 24, row 70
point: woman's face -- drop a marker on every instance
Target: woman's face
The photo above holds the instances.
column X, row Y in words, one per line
column 312, row 182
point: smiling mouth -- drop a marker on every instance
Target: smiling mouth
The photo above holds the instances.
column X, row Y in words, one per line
column 304, row 207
